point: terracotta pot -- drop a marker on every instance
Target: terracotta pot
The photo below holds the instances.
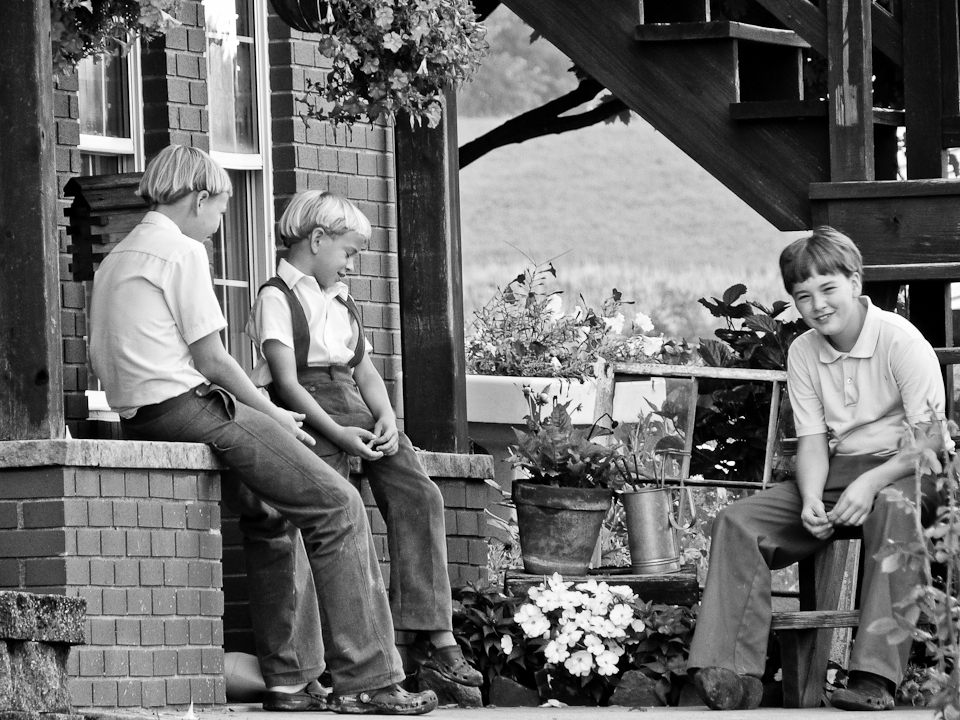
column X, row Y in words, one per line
column 302, row 15
column 559, row 527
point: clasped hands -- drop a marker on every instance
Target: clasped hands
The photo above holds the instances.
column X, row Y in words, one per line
column 384, row 440
column 851, row 509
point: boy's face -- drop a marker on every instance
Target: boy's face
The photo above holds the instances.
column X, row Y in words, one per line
column 334, row 255
column 830, row 305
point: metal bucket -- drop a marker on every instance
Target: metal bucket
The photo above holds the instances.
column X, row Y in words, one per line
column 652, row 530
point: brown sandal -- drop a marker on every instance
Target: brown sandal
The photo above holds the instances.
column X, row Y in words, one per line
column 450, row 663
column 391, row 700
column 863, row 693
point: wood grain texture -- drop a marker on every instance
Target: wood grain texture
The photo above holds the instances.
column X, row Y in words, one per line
column 431, row 307
column 31, row 367
column 922, row 88
column 815, row 619
column 716, row 30
column 684, row 90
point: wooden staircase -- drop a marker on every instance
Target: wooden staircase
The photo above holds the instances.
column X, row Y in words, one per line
column 732, row 96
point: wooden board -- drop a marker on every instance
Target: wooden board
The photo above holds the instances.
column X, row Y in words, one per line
column 811, row 619
column 678, row 588
column 721, row 29
column 922, row 88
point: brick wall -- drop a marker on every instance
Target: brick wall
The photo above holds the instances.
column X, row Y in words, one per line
column 142, row 546
column 355, row 162
column 465, row 496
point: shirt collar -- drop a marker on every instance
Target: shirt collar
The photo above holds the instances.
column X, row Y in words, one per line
column 866, row 343
column 158, row 218
column 291, row 276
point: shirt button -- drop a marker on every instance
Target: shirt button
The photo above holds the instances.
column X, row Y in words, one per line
column 849, row 381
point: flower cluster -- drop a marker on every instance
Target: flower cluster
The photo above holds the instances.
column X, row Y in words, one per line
column 587, row 626
column 523, row 331
column 80, row 28
column 391, row 55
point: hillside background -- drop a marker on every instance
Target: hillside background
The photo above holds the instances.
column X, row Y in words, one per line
column 617, row 204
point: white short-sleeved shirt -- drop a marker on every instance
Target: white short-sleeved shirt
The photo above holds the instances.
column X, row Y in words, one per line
column 152, row 296
column 861, row 399
column 333, row 336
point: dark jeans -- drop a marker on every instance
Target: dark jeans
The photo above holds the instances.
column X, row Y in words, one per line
column 763, row 532
column 278, row 486
column 410, row 502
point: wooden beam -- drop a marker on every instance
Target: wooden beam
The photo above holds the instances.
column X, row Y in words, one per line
column 922, row 88
column 950, row 57
column 31, row 364
column 431, row 291
column 808, row 21
column 849, row 54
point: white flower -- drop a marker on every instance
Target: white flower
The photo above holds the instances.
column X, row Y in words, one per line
column 555, row 362
column 506, row 643
column 569, row 636
column 607, row 663
column 643, row 322
column 621, row 615
column 556, row 652
column 615, row 323
column 579, row 664
column 651, row 345
column 490, row 348
column 594, row 644
column 533, row 621
column 392, row 41
column 638, row 626
column 554, row 307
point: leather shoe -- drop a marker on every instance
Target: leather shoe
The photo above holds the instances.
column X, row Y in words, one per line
column 302, row 701
column 865, row 691
column 723, row 689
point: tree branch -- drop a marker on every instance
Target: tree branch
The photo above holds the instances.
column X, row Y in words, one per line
column 545, row 120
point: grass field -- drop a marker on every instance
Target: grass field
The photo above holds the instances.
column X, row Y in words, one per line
column 623, row 208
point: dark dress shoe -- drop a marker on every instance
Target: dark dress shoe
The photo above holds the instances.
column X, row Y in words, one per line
column 302, row 701
column 723, row 689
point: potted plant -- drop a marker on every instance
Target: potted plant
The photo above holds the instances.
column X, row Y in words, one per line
column 523, row 337
column 566, row 488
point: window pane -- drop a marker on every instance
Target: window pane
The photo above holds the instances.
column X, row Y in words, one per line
column 245, row 18
column 104, row 97
column 91, row 164
column 246, row 101
column 231, row 77
column 236, row 310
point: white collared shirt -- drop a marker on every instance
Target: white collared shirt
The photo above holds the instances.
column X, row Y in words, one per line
column 862, row 398
column 332, row 334
column 152, row 296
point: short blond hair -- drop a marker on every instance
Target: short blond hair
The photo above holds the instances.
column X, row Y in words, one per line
column 313, row 209
column 179, row 170
column 825, row 251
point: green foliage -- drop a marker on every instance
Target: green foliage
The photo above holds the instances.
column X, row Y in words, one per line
column 662, row 652
column 80, row 28
column 554, row 452
column 393, row 56
column 731, row 428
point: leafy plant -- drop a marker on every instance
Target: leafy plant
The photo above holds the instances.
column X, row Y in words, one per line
column 731, row 426
column 80, row 28
column 523, row 331
column 390, row 56
column 491, row 639
column 554, row 452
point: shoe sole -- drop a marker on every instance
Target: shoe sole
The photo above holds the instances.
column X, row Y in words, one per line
column 358, row 707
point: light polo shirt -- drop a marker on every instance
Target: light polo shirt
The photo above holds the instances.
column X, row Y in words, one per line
column 862, row 398
column 152, row 297
column 332, row 334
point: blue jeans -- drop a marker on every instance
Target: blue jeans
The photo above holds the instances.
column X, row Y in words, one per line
column 279, row 486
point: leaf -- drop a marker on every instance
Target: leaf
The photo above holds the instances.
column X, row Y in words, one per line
column 716, row 353
column 762, row 323
column 734, row 293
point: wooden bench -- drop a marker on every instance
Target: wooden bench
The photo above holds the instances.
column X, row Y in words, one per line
column 806, row 636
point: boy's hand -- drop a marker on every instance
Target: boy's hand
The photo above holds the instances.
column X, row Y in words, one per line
column 815, row 519
column 359, row 442
column 292, row 422
column 854, row 504
column 388, row 437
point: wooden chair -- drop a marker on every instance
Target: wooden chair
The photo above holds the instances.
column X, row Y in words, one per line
column 806, row 636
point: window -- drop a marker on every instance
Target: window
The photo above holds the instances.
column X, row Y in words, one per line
column 239, row 110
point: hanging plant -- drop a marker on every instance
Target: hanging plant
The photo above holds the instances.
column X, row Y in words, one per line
column 388, row 55
column 80, row 28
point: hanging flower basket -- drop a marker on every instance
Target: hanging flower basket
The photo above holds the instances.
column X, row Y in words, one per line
column 388, row 55
column 79, row 28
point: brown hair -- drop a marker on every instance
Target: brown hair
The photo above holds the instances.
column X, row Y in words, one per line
column 824, row 252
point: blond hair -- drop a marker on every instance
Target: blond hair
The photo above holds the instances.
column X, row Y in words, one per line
column 179, row 170
column 313, row 209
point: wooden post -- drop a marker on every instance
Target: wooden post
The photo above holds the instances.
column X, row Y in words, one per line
column 31, row 365
column 849, row 48
column 431, row 290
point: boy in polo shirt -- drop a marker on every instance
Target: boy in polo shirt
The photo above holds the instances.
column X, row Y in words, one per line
column 155, row 344
column 855, row 379
column 316, row 362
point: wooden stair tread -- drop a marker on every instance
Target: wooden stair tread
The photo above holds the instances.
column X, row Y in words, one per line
column 679, row 588
column 785, row 109
column 814, row 619
column 912, row 271
column 859, row 189
column 718, row 30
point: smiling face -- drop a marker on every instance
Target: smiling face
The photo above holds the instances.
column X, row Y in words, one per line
column 830, row 304
column 334, row 255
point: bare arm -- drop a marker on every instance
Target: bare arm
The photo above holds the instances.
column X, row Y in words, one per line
column 217, row 366
column 283, row 368
column 813, row 464
column 375, row 395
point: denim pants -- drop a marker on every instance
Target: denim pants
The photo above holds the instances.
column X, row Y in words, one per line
column 409, row 501
column 282, row 493
column 763, row 532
